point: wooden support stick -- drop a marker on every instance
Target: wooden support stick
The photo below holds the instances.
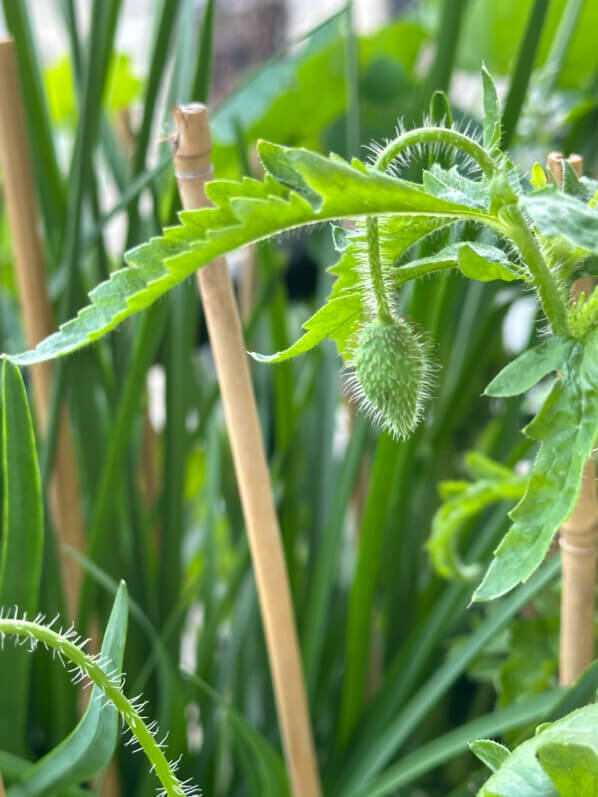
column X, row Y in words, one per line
column 38, row 317
column 578, row 537
column 192, row 167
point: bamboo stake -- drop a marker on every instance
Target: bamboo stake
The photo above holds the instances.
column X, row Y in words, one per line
column 2, row 792
column 192, row 152
column 37, row 312
column 578, row 537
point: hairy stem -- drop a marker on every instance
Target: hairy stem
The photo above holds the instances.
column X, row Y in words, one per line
column 437, row 135
column 376, row 274
column 66, row 647
column 545, row 283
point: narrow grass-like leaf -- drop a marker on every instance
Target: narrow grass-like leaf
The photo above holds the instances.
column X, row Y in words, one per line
column 22, row 547
column 360, row 770
column 92, row 743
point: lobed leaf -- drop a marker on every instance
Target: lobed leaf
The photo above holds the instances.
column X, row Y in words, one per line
column 530, row 367
column 558, row 215
column 301, row 188
column 566, row 428
column 475, row 260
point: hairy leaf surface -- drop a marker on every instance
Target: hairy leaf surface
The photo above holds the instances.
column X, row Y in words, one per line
column 530, row 367
column 302, row 188
column 566, row 428
column 559, row 215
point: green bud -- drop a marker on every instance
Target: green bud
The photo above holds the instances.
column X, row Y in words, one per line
column 392, row 374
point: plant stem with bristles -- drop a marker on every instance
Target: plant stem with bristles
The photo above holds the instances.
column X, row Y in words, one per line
column 64, row 645
column 437, row 135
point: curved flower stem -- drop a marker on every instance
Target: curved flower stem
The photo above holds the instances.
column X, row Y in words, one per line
column 376, row 273
column 440, row 135
column 545, row 283
column 65, row 646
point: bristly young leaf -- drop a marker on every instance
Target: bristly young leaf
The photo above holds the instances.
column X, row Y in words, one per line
column 91, row 744
column 566, row 428
column 558, row 215
column 22, row 548
column 476, row 261
column 302, row 188
column 530, row 367
column 561, row 760
column 492, row 115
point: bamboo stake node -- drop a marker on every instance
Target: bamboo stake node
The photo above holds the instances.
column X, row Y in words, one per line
column 192, row 150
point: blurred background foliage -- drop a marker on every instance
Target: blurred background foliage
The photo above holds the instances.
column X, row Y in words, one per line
column 397, row 666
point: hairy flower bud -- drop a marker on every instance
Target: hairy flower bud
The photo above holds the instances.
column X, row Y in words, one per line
column 392, row 374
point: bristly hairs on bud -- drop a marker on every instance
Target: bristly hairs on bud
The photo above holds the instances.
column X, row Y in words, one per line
column 89, row 670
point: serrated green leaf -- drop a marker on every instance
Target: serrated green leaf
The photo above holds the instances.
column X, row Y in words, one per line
column 330, row 320
column 556, row 214
column 566, row 428
column 451, row 185
column 459, row 506
column 308, row 188
column 572, row 768
column 490, row 753
column 522, row 775
column 91, row 744
column 530, row 367
column 22, row 548
column 492, row 114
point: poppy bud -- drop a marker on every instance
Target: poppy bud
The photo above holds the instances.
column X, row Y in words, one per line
column 391, row 370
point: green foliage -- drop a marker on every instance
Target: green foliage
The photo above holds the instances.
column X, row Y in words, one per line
column 566, row 428
column 386, row 698
column 559, row 760
column 583, row 315
column 91, row 744
column 22, row 546
column 464, row 501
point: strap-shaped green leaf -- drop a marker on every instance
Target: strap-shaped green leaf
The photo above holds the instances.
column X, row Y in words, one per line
column 22, row 548
column 302, row 188
column 492, row 116
column 91, row 744
column 566, row 428
column 561, row 760
column 530, row 367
